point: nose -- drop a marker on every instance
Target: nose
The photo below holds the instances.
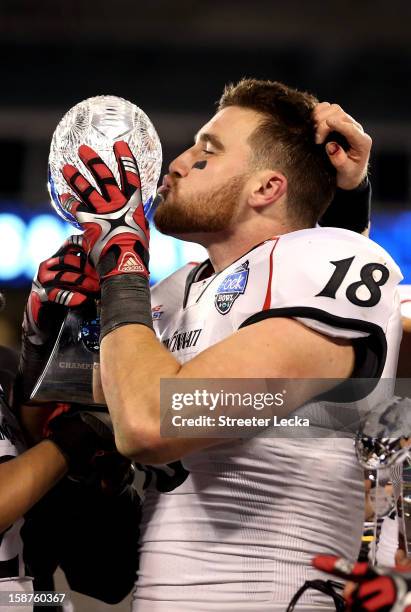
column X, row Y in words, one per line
column 180, row 166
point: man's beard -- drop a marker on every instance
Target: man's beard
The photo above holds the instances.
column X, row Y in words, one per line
column 202, row 213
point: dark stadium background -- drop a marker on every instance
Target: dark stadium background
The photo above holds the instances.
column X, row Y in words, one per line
column 173, row 59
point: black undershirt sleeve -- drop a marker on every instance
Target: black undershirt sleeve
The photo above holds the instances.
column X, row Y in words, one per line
column 349, row 209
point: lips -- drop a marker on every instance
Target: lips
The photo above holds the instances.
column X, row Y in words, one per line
column 165, row 187
column 162, row 189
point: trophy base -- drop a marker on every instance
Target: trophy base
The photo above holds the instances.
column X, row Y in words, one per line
column 72, row 371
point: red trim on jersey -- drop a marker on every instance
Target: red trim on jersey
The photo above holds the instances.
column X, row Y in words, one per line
column 267, row 301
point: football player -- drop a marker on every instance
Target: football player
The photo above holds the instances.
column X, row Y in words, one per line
column 60, row 520
column 233, row 524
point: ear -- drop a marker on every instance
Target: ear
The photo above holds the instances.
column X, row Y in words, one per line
column 266, row 188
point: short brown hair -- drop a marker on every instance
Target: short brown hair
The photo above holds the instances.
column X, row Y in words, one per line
column 285, row 139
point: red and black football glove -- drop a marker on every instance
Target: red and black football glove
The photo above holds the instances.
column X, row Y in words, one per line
column 115, row 228
column 116, row 234
column 65, row 280
column 377, row 589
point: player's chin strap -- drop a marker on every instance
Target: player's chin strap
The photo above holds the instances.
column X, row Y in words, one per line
column 324, row 586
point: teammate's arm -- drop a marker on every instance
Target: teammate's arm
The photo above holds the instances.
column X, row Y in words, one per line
column 351, row 164
column 27, row 478
column 351, row 206
column 73, row 439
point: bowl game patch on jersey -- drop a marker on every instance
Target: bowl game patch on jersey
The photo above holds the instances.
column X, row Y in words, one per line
column 157, row 312
column 230, row 288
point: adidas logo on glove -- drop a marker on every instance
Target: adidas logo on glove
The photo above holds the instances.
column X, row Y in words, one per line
column 130, row 263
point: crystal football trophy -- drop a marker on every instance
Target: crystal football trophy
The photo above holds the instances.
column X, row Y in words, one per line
column 69, row 375
column 382, row 445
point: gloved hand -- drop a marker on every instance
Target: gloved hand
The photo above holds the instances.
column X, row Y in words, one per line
column 86, row 439
column 377, row 589
column 115, row 228
column 116, row 233
column 65, row 280
column 113, row 472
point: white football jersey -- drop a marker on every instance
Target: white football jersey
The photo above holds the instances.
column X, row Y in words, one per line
column 12, row 570
column 405, row 297
column 235, row 526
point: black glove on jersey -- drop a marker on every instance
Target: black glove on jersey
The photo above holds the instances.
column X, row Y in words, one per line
column 87, row 441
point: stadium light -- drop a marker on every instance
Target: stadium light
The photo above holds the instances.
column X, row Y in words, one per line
column 25, row 241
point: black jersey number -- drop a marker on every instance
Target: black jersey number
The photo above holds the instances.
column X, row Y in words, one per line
column 367, row 277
